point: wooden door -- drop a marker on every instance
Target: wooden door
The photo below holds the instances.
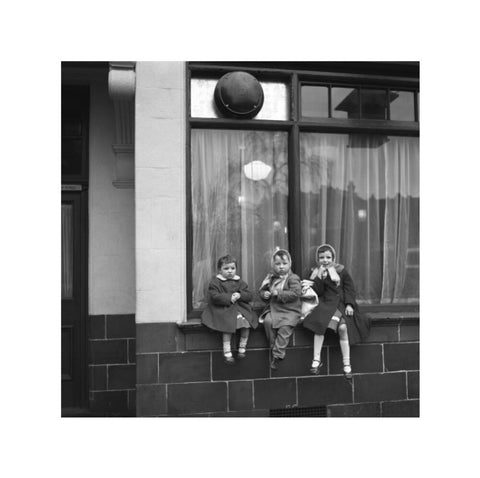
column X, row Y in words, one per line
column 74, row 294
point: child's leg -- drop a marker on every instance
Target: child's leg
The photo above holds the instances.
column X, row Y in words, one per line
column 345, row 347
column 270, row 332
column 281, row 342
column 317, row 352
column 317, row 348
column 242, row 345
column 227, row 350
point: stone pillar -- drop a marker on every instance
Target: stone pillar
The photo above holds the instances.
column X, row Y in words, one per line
column 160, row 210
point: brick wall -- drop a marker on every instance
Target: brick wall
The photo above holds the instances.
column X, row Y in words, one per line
column 180, row 372
column 112, row 369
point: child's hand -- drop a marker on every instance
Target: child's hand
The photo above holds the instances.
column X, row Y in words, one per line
column 275, row 293
column 235, row 297
column 349, row 310
column 266, row 294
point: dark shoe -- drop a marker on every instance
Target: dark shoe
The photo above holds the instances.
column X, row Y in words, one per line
column 241, row 355
column 274, row 363
column 229, row 360
column 315, row 370
column 347, row 373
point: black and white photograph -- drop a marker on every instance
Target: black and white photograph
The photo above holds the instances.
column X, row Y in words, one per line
column 223, row 253
column 240, row 239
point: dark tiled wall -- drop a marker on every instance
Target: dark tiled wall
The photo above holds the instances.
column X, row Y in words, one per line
column 180, row 372
column 112, row 365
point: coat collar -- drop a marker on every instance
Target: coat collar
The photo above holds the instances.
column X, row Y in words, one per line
column 219, row 276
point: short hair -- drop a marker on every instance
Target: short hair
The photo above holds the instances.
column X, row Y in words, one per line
column 227, row 259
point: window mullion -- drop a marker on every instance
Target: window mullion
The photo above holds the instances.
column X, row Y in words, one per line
column 294, row 226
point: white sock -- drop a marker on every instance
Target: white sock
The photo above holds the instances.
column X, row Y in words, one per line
column 242, row 344
column 227, row 351
column 345, row 348
column 317, row 347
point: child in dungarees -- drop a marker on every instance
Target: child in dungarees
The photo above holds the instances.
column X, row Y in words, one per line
column 229, row 307
column 281, row 288
column 337, row 308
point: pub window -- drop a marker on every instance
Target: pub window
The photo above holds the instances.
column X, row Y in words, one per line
column 353, row 186
column 239, row 202
column 360, row 192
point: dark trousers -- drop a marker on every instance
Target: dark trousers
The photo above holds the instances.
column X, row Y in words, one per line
column 278, row 338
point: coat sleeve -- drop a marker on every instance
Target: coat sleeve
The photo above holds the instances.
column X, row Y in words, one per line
column 245, row 294
column 349, row 293
column 264, row 287
column 217, row 295
column 293, row 292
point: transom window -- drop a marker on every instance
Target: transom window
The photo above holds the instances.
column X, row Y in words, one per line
column 332, row 101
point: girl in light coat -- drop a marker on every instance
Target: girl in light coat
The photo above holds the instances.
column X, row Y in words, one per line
column 281, row 289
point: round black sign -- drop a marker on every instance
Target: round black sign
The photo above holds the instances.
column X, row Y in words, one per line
column 239, row 94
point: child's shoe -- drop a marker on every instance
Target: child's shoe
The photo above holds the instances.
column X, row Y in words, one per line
column 242, row 353
column 274, row 363
column 315, row 368
column 347, row 372
column 228, row 359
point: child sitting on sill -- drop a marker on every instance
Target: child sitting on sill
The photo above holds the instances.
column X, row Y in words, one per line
column 281, row 289
column 337, row 308
column 229, row 307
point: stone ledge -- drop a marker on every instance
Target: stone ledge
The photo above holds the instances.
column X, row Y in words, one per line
column 377, row 318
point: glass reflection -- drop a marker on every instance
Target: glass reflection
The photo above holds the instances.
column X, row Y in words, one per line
column 361, row 194
column 345, row 103
column 314, row 101
column 374, row 104
column 232, row 213
column 402, row 107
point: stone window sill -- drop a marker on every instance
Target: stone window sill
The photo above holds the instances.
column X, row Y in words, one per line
column 377, row 318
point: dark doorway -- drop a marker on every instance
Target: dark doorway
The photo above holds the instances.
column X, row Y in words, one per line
column 73, row 284
column 74, row 221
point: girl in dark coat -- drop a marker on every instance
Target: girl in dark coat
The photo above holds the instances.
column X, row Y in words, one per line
column 281, row 289
column 337, row 308
column 229, row 307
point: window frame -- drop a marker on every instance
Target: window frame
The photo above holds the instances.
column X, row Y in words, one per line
column 295, row 79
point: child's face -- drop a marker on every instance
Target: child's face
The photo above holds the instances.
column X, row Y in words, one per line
column 228, row 270
column 281, row 265
column 325, row 258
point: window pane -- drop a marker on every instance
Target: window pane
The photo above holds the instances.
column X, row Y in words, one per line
column 275, row 104
column 345, row 103
column 239, row 203
column 67, row 251
column 402, row 106
column 374, row 105
column 360, row 193
column 315, row 101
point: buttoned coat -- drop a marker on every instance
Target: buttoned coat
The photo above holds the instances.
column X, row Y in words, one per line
column 333, row 297
column 220, row 314
column 286, row 308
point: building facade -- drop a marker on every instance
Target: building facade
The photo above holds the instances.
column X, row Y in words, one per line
column 168, row 165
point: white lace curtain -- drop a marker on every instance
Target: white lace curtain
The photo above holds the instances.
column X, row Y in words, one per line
column 360, row 193
column 232, row 213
